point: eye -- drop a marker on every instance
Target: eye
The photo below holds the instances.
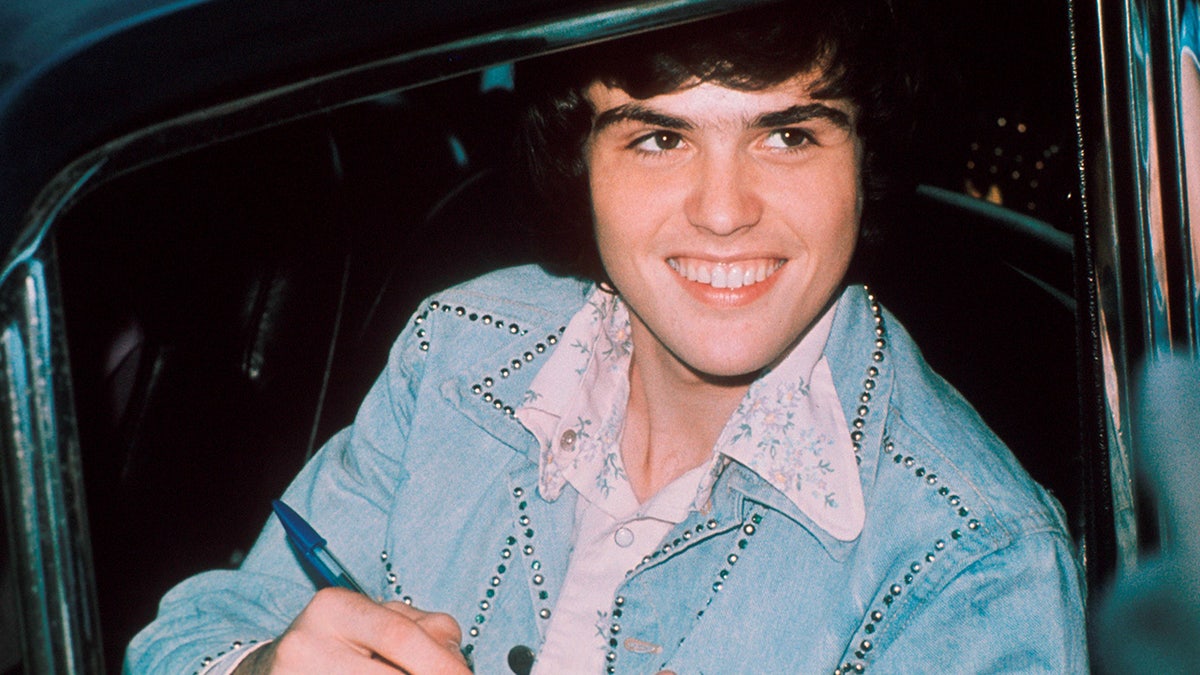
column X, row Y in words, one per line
column 788, row 138
column 658, row 141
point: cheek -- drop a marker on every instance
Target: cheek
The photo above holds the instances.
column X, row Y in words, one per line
column 613, row 229
column 843, row 234
column 824, row 208
column 604, row 184
column 624, row 203
column 845, row 199
column 606, row 214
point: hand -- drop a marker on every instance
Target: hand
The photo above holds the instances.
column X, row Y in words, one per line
column 342, row 631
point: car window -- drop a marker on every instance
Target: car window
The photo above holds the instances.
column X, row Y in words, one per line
column 226, row 309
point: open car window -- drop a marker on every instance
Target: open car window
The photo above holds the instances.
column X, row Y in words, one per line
column 227, row 308
column 230, row 292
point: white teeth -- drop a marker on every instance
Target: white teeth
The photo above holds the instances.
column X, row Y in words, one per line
column 736, row 277
column 725, row 275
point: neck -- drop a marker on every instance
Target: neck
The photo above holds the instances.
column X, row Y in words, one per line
column 674, row 415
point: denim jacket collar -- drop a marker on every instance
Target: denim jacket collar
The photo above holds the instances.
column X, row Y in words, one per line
column 486, row 389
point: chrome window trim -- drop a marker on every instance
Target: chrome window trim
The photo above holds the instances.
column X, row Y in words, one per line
column 1134, row 208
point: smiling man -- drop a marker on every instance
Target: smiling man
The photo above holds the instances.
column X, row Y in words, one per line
column 702, row 451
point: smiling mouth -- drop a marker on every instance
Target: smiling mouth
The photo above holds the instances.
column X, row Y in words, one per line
column 726, row 275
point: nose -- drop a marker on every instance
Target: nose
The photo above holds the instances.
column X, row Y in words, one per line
column 724, row 196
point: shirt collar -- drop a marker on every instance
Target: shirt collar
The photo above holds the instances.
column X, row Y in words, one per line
column 575, row 407
column 789, row 429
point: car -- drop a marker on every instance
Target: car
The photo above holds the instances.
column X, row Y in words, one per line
column 215, row 216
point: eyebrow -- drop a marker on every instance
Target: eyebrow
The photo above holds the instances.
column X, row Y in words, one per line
column 636, row 112
column 803, row 113
column 797, row 114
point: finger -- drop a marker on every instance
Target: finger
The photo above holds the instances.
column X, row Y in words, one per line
column 317, row 661
column 340, row 624
column 308, row 648
column 327, row 634
column 441, row 627
column 418, row 642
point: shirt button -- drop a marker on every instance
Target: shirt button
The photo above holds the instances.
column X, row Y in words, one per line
column 567, row 440
column 623, row 537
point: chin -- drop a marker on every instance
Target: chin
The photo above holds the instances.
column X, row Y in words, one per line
column 733, row 367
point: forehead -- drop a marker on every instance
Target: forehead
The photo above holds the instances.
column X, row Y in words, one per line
column 701, row 103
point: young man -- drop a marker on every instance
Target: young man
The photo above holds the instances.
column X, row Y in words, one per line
column 716, row 458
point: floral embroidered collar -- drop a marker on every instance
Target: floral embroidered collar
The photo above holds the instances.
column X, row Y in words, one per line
column 789, row 429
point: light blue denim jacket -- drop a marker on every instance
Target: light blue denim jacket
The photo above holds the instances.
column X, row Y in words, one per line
column 963, row 564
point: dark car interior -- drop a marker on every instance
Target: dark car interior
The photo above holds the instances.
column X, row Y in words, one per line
column 227, row 308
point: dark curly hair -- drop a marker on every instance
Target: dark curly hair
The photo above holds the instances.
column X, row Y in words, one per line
column 858, row 45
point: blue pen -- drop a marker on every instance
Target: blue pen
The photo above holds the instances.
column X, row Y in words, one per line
column 312, row 546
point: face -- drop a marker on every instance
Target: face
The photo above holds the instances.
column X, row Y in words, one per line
column 726, row 219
